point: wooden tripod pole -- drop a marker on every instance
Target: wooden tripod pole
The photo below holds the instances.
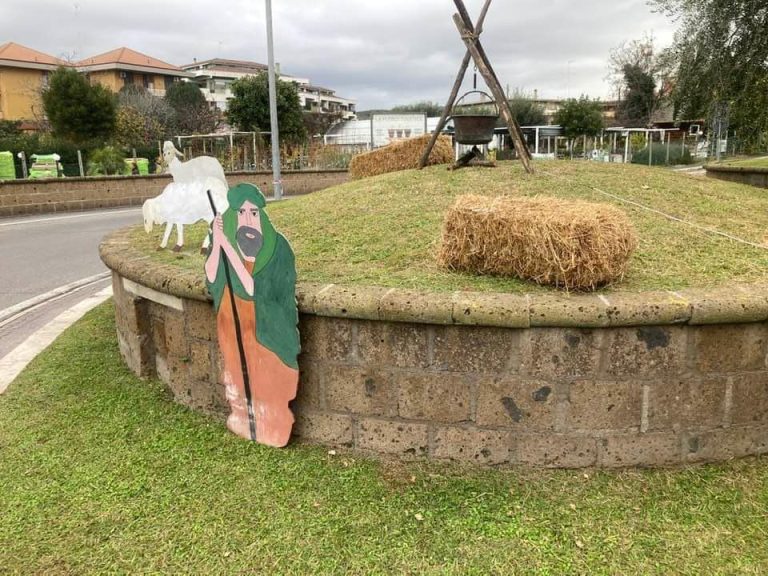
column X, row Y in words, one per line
column 472, row 42
column 454, row 92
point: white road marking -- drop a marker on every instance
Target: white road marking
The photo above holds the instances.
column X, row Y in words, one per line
column 15, row 361
column 11, row 312
column 69, row 217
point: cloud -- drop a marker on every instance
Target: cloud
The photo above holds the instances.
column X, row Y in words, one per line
column 380, row 53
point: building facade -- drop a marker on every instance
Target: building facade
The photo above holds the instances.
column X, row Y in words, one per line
column 24, row 74
column 215, row 77
column 124, row 67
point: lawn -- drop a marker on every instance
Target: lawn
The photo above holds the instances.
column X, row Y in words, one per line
column 101, row 473
column 761, row 162
column 384, row 230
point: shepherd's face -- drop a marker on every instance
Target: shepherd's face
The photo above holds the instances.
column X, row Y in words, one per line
column 249, row 236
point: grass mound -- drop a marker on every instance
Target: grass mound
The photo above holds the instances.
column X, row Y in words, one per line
column 400, row 156
column 385, row 230
column 760, row 162
column 102, row 473
column 566, row 243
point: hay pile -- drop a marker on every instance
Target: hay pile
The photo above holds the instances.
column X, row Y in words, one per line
column 566, row 243
column 401, row 155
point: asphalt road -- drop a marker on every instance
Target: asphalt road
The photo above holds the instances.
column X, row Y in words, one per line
column 39, row 254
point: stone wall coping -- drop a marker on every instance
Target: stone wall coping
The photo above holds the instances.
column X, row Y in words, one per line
column 739, row 303
column 738, row 169
column 47, row 181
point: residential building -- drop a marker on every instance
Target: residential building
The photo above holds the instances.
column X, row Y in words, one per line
column 23, row 75
column 215, row 79
column 551, row 106
column 123, row 66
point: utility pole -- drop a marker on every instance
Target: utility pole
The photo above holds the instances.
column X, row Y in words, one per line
column 276, row 177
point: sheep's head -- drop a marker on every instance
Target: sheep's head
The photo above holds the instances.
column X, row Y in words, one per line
column 148, row 212
column 170, row 152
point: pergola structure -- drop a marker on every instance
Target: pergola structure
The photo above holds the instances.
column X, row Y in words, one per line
column 470, row 35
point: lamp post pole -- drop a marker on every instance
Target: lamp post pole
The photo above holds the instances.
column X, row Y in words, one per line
column 276, row 177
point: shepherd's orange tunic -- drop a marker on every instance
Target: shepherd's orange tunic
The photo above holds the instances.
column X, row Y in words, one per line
column 273, row 384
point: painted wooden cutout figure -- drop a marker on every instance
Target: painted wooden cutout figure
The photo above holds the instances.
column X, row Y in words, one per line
column 184, row 201
column 251, row 275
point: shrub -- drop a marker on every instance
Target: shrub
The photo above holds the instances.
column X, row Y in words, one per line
column 659, row 150
column 106, row 161
column 44, row 144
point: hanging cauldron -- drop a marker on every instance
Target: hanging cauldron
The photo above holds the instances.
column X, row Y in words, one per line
column 474, row 123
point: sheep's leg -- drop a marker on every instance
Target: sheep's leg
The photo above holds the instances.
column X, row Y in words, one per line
column 166, row 235
column 179, row 237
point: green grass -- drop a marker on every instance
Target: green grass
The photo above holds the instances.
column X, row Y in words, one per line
column 761, row 162
column 101, row 473
column 384, row 230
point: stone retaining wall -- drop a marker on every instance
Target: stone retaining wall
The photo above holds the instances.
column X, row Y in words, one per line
column 752, row 176
column 655, row 379
column 19, row 197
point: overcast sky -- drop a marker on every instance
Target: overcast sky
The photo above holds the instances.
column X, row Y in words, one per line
column 379, row 52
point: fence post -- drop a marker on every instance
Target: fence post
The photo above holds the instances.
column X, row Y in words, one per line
column 669, row 140
column 650, row 148
column 24, row 170
column 80, row 163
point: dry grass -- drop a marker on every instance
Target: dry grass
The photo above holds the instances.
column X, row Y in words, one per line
column 571, row 244
column 400, row 156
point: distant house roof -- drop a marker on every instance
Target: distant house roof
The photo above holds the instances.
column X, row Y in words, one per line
column 127, row 59
column 315, row 88
column 224, row 65
column 16, row 55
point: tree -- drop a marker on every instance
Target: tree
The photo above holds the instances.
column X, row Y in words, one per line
column 10, row 128
column 641, row 100
column 318, row 123
column 78, row 111
column 249, row 107
column 192, row 112
column 430, row 109
column 640, row 77
column 525, row 110
column 720, row 61
column 142, row 118
column 581, row 117
column 640, row 54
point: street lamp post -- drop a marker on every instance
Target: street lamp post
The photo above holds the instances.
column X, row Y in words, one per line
column 276, row 177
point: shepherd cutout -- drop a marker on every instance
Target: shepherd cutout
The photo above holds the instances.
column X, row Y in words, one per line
column 251, row 275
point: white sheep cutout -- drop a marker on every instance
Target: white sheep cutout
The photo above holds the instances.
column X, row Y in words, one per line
column 195, row 169
column 184, row 203
column 185, row 200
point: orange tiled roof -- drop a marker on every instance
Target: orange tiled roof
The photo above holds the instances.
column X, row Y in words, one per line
column 18, row 53
column 128, row 57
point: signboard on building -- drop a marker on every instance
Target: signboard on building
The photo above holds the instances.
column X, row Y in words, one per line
column 387, row 128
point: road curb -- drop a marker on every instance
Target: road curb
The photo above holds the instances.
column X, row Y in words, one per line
column 14, row 362
column 17, row 309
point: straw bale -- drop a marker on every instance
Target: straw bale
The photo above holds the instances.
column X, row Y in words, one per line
column 570, row 244
column 401, row 155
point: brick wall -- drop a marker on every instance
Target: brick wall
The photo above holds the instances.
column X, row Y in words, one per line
column 652, row 395
column 19, row 197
